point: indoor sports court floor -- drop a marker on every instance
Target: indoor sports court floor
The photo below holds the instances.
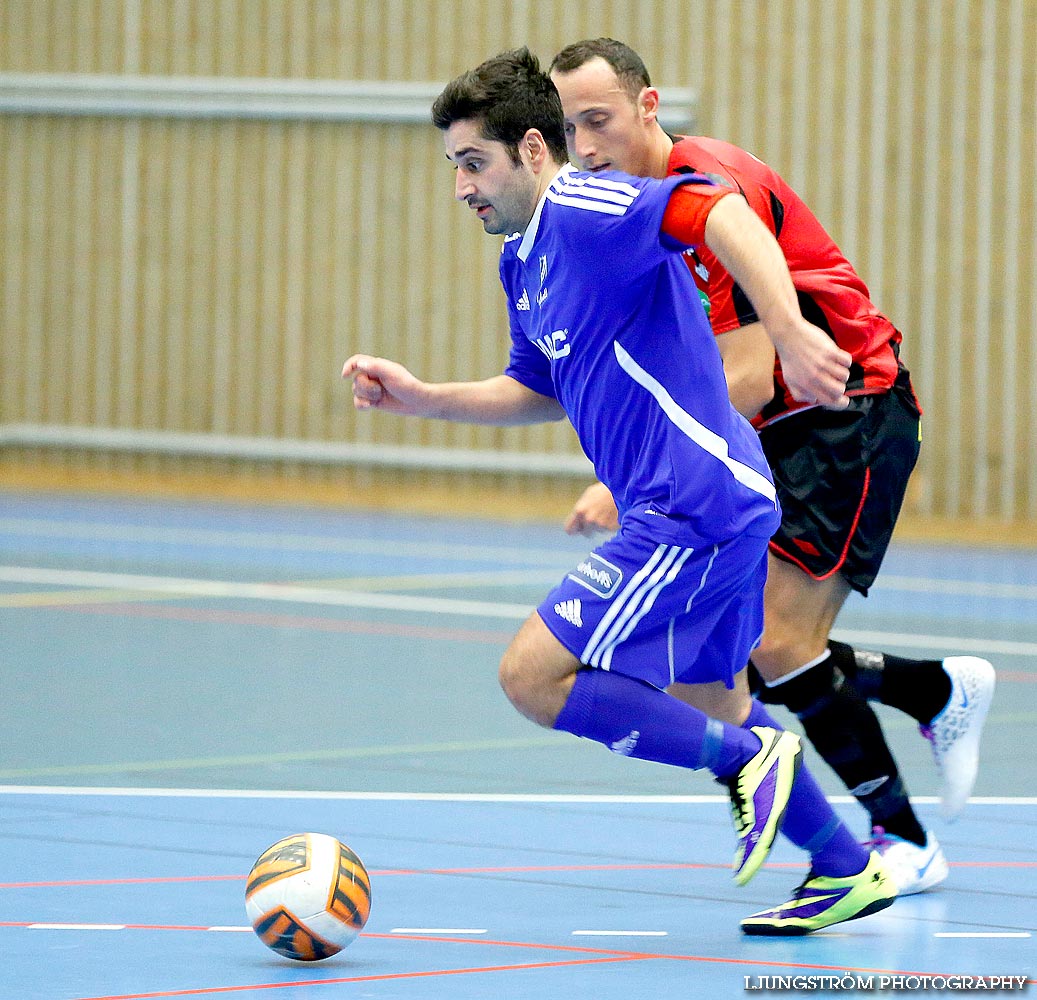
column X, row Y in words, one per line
column 184, row 684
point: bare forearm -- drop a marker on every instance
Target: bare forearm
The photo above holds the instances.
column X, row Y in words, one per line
column 500, row 401
column 380, row 384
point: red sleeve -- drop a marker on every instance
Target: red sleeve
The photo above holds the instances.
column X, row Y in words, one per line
column 685, row 217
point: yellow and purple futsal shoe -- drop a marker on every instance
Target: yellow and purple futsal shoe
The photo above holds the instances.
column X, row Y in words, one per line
column 759, row 796
column 822, row 901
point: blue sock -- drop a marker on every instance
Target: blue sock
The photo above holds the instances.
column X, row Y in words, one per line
column 811, row 823
column 638, row 720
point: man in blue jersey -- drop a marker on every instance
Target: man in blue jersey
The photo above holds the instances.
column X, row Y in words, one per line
column 596, row 292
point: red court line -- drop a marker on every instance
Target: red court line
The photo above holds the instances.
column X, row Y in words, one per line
column 381, row 873
column 709, row 959
column 209, row 616
column 503, row 869
column 482, row 870
column 595, row 956
column 368, row 979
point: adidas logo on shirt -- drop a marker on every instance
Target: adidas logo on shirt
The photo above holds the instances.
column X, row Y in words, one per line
column 523, row 303
column 570, row 611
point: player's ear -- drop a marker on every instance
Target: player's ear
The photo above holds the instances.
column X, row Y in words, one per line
column 648, row 104
column 533, row 145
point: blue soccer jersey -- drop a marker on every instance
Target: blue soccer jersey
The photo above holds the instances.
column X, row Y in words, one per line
column 605, row 318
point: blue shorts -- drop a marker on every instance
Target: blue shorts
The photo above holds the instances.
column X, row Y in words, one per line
column 661, row 612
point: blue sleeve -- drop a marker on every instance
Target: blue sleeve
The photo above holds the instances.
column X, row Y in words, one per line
column 527, row 364
column 637, row 242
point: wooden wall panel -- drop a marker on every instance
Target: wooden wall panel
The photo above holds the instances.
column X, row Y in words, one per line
column 211, row 275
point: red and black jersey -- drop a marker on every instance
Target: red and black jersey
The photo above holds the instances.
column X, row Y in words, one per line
column 831, row 294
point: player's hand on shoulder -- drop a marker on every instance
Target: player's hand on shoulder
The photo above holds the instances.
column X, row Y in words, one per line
column 815, row 368
column 595, row 511
column 383, row 385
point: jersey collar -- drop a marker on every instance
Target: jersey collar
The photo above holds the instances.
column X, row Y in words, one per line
column 530, row 235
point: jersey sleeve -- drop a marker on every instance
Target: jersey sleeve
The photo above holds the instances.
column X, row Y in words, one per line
column 625, row 214
column 527, row 365
column 684, row 220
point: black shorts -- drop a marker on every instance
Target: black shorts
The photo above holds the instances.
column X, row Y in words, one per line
column 841, row 476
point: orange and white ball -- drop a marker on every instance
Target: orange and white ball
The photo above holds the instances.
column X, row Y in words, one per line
column 308, row 896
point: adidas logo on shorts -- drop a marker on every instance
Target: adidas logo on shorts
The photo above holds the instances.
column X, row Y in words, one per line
column 570, row 611
column 626, row 746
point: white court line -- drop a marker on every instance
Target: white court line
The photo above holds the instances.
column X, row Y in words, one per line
column 280, row 543
column 126, row 927
column 620, row 933
column 438, row 930
column 289, row 593
column 475, row 931
column 982, row 934
column 533, row 798
column 76, row 927
column 298, row 594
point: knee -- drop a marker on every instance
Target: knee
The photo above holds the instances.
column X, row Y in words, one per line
column 775, row 653
column 716, row 700
column 786, row 647
column 512, row 678
column 526, row 690
column 537, row 673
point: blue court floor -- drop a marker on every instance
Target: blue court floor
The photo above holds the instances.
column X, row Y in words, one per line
column 184, row 684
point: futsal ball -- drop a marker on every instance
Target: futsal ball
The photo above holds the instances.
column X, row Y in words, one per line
column 308, row 896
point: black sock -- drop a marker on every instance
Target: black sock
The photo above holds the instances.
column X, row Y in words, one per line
column 920, row 688
column 845, row 731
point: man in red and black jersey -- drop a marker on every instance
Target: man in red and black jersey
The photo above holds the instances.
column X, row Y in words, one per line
column 841, row 475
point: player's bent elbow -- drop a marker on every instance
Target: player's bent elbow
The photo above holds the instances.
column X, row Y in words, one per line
column 548, row 410
column 750, row 394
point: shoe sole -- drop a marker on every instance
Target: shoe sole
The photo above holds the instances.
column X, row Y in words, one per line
column 788, row 930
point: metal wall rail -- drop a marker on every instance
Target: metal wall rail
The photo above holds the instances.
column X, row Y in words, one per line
column 174, row 443
column 126, row 96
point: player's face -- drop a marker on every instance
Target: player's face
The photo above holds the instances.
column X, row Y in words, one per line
column 604, row 128
column 502, row 193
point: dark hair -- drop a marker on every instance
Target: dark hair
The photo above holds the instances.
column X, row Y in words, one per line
column 622, row 58
column 508, row 94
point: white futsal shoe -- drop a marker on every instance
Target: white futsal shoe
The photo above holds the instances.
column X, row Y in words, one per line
column 912, row 868
column 956, row 731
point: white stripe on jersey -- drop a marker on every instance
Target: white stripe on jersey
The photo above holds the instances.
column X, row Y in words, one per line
column 702, row 436
column 594, row 194
column 601, row 192
column 588, row 204
column 601, row 182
